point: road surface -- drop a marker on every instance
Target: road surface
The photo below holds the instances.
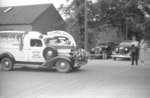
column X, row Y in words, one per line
column 98, row 79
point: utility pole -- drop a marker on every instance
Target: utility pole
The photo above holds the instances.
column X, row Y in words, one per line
column 126, row 36
column 126, row 31
column 85, row 26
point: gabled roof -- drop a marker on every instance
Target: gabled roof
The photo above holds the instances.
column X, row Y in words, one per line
column 22, row 14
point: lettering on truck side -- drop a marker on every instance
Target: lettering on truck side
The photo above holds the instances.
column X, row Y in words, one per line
column 36, row 54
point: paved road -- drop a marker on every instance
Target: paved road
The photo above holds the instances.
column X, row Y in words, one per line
column 98, row 79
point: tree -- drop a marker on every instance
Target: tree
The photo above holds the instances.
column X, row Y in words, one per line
column 123, row 13
column 76, row 12
column 126, row 15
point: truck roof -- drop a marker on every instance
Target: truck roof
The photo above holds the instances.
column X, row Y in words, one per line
column 18, row 31
column 12, row 31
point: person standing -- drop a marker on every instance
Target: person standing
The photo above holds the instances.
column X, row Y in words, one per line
column 143, row 48
column 134, row 51
column 134, row 55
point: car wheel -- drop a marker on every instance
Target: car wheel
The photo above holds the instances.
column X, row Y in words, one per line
column 114, row 59
column 7, row 64
column 63, row 66
column 49, row 53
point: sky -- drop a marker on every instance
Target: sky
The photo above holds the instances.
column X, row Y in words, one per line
column 56, row 3
column 5, row 3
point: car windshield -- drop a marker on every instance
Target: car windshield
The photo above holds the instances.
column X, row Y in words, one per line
column 102, row 44
column 126, row 43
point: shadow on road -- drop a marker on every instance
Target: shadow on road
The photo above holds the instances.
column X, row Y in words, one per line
column 30, row 69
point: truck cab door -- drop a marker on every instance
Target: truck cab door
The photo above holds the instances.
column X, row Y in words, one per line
column 36, row 51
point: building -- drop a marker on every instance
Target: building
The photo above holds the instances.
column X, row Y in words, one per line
column 43, row 18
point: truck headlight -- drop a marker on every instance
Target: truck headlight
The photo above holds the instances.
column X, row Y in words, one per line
column 116, row 49
column 126, row 49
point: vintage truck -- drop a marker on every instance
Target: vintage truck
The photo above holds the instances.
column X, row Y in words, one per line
column 56, row 49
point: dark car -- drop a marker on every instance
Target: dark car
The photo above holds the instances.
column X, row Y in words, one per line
column 103, row 50
column 122, row 50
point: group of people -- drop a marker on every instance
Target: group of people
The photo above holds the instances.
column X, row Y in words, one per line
column 138, row 51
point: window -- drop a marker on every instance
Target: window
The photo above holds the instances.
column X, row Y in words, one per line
column 35, row 43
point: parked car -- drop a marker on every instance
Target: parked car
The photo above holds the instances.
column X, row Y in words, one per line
column 122, row 50
column 103, row 50
column 56, row 49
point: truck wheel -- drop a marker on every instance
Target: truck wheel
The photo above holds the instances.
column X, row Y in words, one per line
column 6, row 64
column 63, row 66
column 49, row 53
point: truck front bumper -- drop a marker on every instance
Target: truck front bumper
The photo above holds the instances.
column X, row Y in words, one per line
column 80, row 57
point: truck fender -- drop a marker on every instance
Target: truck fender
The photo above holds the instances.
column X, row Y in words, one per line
column 63, row 57
column 7, row 54
column 52, row 61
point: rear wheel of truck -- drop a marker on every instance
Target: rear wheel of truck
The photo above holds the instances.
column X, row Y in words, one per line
column 7, row 64
column 63, row 66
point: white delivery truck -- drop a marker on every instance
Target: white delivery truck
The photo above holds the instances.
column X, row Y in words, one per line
column 56, row 49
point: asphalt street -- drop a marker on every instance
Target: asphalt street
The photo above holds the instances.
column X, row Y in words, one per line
column 97, row 79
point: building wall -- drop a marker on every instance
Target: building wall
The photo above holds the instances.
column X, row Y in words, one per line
column 15, row 27
column 48, row 21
